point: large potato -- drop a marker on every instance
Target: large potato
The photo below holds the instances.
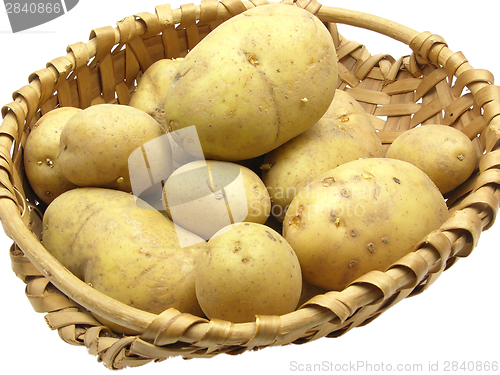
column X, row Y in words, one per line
column 444, row 153
column 294, row 164
column 256, row 81
column 40, row 155
column 350, row 113
column 129, row 253
column 247, row 270
column 205, row 196
column 96, row 144
column 152, row 88
column 361, row 216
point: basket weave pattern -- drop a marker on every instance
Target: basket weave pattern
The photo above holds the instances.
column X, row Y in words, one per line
column 430, row 85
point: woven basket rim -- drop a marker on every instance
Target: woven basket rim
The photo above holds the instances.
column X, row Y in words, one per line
column 460, row 233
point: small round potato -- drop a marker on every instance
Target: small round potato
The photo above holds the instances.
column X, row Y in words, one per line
column 444, row 153
column 361, row 216
column 152, row 88
column 40, row 155
column 205, row 196
column 247, row 270
column 96, row 145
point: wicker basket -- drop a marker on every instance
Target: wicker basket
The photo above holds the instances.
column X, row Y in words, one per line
column 427, row 86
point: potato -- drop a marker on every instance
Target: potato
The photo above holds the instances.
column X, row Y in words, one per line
column 351, row 114
column 361, row 216
column 256, row 81
column 96, row 144
column 40, row 155
column 152, row 88
column 205, row 196
column 444, row 153
column 294, row 164
column 247, row 270
column 128, row 253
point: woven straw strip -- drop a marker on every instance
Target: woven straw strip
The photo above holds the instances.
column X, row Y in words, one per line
column 454, row 62
column 475, row 127
column 429, row 82
column 440, row 243
column 424, row 42
column 368, row 65
column 380, row 280
column 369, row 96
column 44, row 298
column 84, row 88
column 80, row 57
column 208, row 11
column 105, row 40
column 168, row 327
column 128, row 30
column 429, row 113
column 234, row 6
column 12, row 129
column 67, row 317
column 402, row 86
column 21, row 265
column 486, row 202
column 489, row 178
column 30, row 96
column 470, row 225
column 267, row 329
column 115, row 357
column 46, row 80
column 470, row 76
column 142, row 349
column 152, row 24
column 188, row 22
column 141, row 53
column 98, row 339
column 218, row 331
column 332, row 302
column 457, row 109
column 414, row 264
column 491, row 110
column 489, row 161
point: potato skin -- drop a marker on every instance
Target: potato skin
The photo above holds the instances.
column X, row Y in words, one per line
column 129, row 253
column 96, row 143
column 444, row 153
column 350, row 113
column 256, row 81
column 290, row 167
column 152, row 88
column 40, row 155
column 361, row 216
column 210, row 180
column 247, row 270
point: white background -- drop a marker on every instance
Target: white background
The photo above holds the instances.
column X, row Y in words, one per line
column 455, row 320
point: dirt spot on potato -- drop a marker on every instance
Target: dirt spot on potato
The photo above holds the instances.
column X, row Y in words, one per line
column 371, row 247
column 328, row 181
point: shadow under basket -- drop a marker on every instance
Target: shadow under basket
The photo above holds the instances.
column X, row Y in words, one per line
column 431, row 84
